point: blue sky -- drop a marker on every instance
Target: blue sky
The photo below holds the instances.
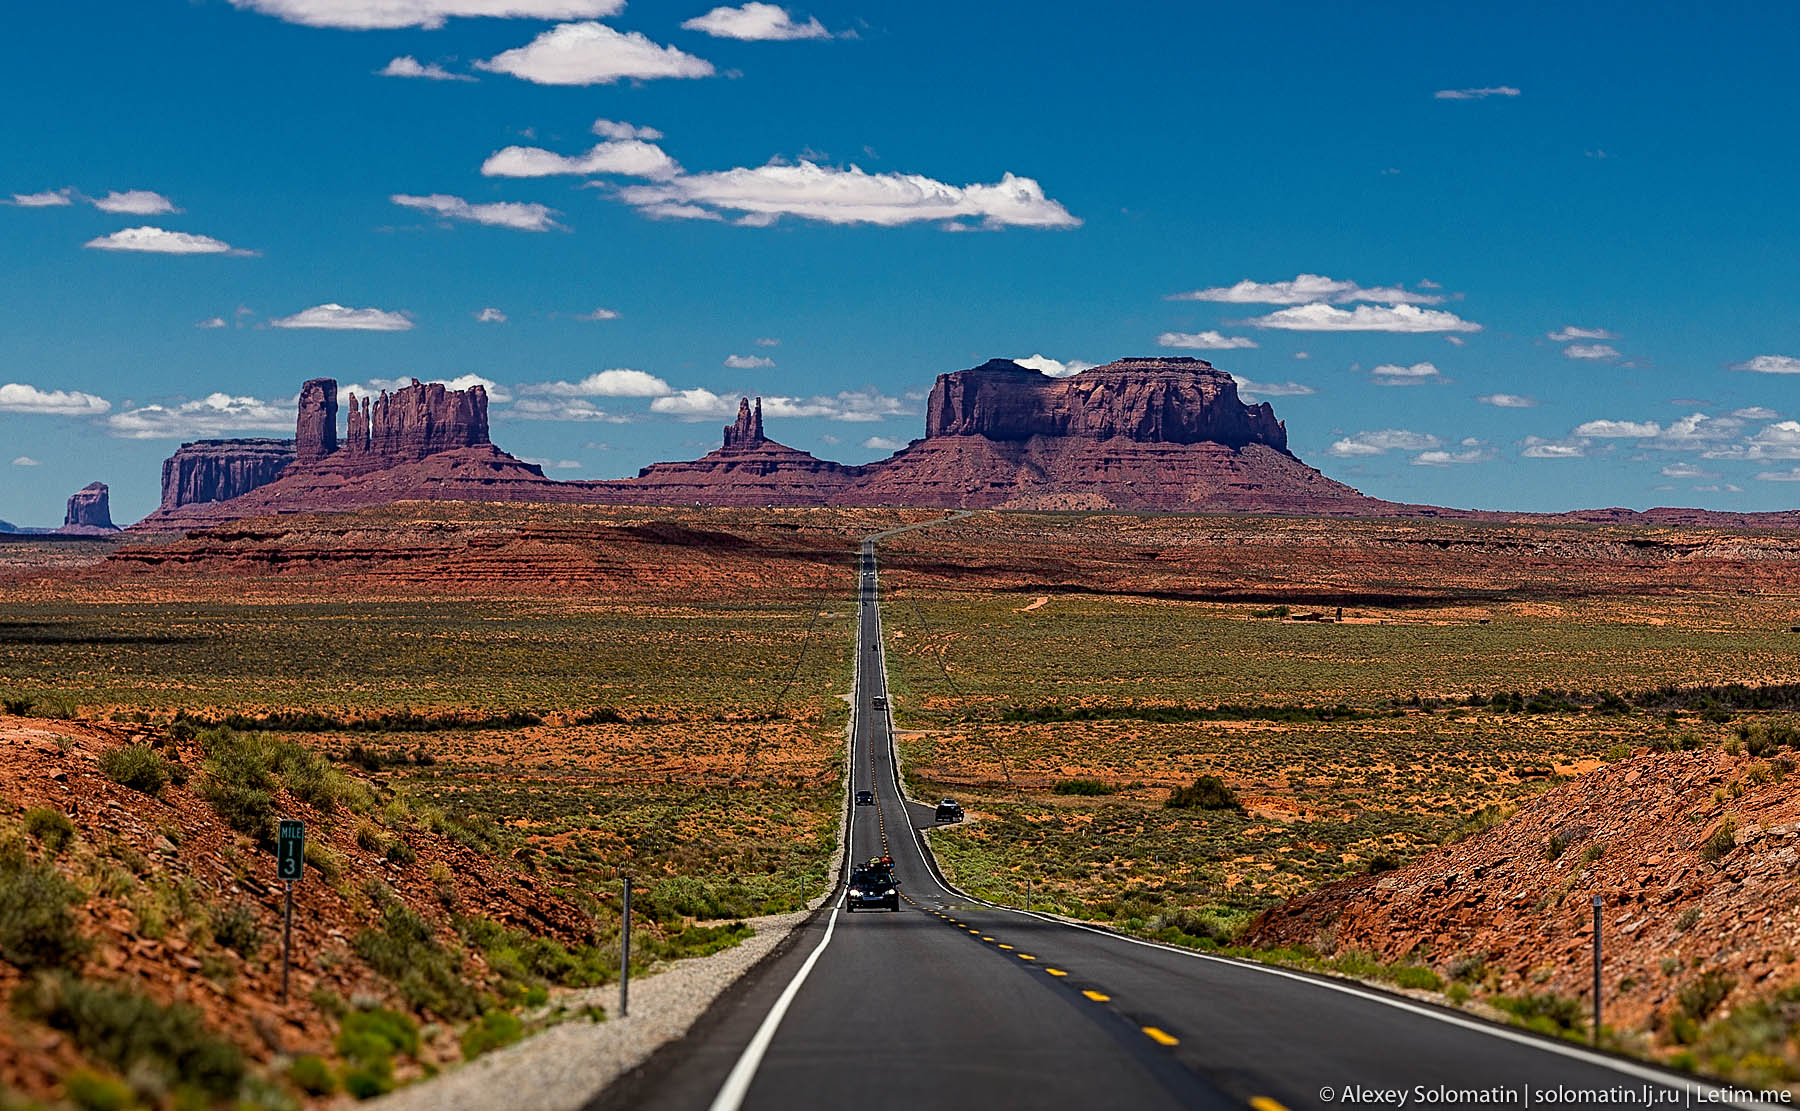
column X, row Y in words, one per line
column 1593, row 237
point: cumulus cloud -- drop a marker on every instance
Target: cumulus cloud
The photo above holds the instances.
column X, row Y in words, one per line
column 562, row 409
column 210, row 322
column 1254, row 391
column 768, row 341
column 49, row 198
column 1055, row 368
column 1536, row 447
column 136, row 202
column 1590, row 351
column 1473, row 451
column 18, row 397
column 617, row 382
column 597, row 315
column 1569, row 334
column 1770, row 364
column 491, row 315
column 1384, row 441
column 1305, row 289
column 1475, row 94
column 27, row 461
column 499, row 214
column 1619, row 429
column 1507, row 400
column 374, row 387
column 848, row 196
column 1686, row 470
column 1320, row 317
column 756, row 22
column 748, row 362
column 1204, row 341
column 213, row 415
column 624, row 157
column 408, row 66
column 1791, row 475
column 613, row 129
column 883, row 443
column 594, row 54
column 848, row 405
column 1393, row 374
column 335, row 317
column 163, row 242
column 1780, row 440
column 1755, row 412
column 364, row 15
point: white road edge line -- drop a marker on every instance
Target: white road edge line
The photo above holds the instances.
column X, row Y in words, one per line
column 1711, row 1093
column 737, row 1085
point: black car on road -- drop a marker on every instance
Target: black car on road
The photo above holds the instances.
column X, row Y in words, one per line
column 871, row 888
column 865, row 798
column 949, row 810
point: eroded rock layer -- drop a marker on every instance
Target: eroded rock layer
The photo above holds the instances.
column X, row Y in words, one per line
column 219, row 470
column 90, row 511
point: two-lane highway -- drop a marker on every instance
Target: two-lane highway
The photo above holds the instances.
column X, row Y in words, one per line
column 957, row 1003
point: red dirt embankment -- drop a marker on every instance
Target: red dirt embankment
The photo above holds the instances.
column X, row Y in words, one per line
column 1636, row 833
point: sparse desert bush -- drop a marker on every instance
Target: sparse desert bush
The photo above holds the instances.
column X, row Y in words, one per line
column 92, row 1091
column 312, row 1075
column 491, row 1031
column 1548, row 1013
column 368, row 1040
column 1082, row 787
column 404, row 950
column 1208, row 792
column 137, row 766
column 50, row 828
column 37, row 929
column 236, row 928
column 239, row 783
column 1480, row 821
column 1722, row 840
column 1700, row 997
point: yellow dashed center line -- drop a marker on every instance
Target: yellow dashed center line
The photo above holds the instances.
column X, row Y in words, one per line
column 1264, row 1103
column 1097, row 997
column 1006, row 947
column 1161, row 1037
column 987, row 939
column 1027, row 957
column 1056, row 972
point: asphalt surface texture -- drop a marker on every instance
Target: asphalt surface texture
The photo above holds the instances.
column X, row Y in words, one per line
column 953, row 1002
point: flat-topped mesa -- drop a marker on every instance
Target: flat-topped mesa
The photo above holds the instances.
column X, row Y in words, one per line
column 89, row 510
column 746, row 433
column 416, row 421
column 1150, row 400
column 219, row 470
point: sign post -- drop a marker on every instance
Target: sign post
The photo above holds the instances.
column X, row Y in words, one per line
column 1597, row 905
column 625, row 951
column 290, row 863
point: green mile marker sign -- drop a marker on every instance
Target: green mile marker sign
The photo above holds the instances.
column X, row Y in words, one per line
column 290, row 851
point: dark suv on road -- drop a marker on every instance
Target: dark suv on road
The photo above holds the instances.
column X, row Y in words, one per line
column 871, row 888
column 865, row 798
column 949, row 810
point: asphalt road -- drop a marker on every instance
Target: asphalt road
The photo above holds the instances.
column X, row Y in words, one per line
column 955, row 1003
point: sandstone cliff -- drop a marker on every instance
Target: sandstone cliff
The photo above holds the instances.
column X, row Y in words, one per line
column 409, row 424
column 219, row 470
column 89, row 512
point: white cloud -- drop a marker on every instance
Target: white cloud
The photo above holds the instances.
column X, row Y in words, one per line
column 594, row 54
column 848, row 405
column 1055, row 368
column 756, row 22
column 1507, row 400
column 1204, row 341
column 554, row 464
column 1252, row 391
column 848, row 196
column 617, row 382
column 1304, row 289
column 1302, row 354
column 883, row 443
column 1473, row 453
column 1569, row 334
column 163, row 242
column 626, row 157
column 1780, row 440
column 768, row 341
column 1770, row 364
column 213, row 415
column 495, row 391
column 1455, row 341
column 1319, row 317
column 1475, row 94
column 490, row 315
column 573, row 409
column 748, row 362
column 363, row 15
column 597, row 315
column 613, row 129
column 27, row 461
column 500, row 214
column 136, row 202
column 1792, row 475
column 1591, row 351
column 49, row 198
column 1755, row 412
column 17, row 397
column 210, row 322
column 408, row 66
column 336, row 317
column 1619, row 429
column 1536, row 447
column 695, row 404
column 1384, row 441
column 1686, row 470
column 1393, row 374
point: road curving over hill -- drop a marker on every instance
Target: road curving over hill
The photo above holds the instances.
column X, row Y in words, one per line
column 955, row 1002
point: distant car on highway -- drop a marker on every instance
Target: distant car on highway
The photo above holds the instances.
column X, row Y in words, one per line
column 949, row 810
column 872, row 888
column 865, row 798
column 880, row 703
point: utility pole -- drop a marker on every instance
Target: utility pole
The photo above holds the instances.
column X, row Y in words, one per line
column 1597, row 958
column 625, row 951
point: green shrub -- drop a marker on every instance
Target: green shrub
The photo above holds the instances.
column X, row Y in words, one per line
column 91, row 1091
column 493, row 1030
column 366, row 1082
column 1701, row 997
column 1549, row 1013
column 1479, row 822
column 369, row 1040
column 36, row 928
column 1716, row 847
column 1383, row 862
column 138, row 767
column 312, row 1075
column 1209, row 792
column 403, row 949
column 1082, row 787
column 50, row 828
column 133, row 1034
column 1416, row 976
column 235, row 927
column 239, row 783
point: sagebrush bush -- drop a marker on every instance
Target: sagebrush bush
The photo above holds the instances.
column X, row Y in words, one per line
column 1209, row 792
column 236, row 928
column 404, row 950
column 37, row 929
column 50, row 828
column 135, row 1035
column 493, row 1030
column 1082, row 787
column 138, row 767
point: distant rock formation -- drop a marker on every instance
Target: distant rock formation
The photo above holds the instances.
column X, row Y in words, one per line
column 747, row 468
column 315, row 429
column 746, row 433
column 406, row 426
column 90, row 511
column 218, row 470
